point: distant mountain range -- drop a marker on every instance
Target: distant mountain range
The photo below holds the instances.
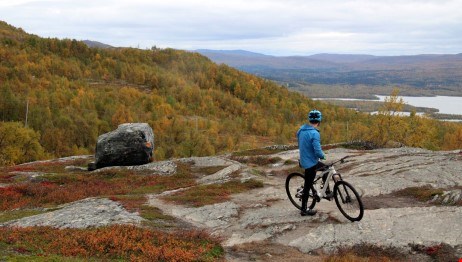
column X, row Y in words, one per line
column 97, row 44
column 242, row 58
column 436, row 73
column 420, row 71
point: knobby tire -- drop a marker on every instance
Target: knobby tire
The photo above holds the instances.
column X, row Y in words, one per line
column 348, row 201
column 293, row 182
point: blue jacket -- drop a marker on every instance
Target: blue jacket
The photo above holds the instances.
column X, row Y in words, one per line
column 309, row 143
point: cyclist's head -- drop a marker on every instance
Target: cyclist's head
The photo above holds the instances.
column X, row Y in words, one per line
column 314, row 116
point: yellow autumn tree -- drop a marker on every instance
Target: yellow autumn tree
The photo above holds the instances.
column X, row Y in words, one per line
column 122, row 115
column 389, row 125
column 18, row 144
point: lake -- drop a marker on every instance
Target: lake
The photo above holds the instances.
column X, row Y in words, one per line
column 445, row 104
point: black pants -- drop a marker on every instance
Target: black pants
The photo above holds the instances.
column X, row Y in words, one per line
column 310, row 174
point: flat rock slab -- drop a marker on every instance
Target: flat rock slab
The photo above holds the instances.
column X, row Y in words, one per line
column 265, row 214
column 210, row 216
column 387, row 170
column 396, row 227
column 160, row 167
column 207, row 161
column 89, row 212
column 220, row 176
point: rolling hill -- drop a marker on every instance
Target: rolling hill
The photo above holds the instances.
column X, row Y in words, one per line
column 72, row 93
column 437, row 74
column 59, row 95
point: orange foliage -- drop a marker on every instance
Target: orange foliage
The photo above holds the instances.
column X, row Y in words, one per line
column 114, row 242
column 67, row 188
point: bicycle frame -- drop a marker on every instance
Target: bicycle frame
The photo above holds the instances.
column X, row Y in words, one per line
column 330, row 174
column 344, row 194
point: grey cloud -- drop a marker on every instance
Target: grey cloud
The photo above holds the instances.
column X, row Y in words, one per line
column 276, row 26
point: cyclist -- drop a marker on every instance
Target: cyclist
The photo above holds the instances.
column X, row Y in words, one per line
column 309, row 144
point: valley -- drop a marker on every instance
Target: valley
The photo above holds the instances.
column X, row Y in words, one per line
column 352, row 76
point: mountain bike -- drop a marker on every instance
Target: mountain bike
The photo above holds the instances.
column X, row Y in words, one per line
column 346, row 197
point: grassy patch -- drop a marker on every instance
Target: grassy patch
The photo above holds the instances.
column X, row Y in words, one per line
column 423, row 194
column 439, row 252
column 257, row 172
column 257, row 152
column 17, row 214
column 211, row 194
column 207, row 170
column 53, row 166
column 285, row 172
column 366, row 252
column 6, row 178
column 290, row 162
column 137, row 203
column 257, row 160
column 120, row 242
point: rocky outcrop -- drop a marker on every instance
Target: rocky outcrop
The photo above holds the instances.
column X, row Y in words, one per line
column 265, row 214
column 158, row 168
column 397, row 227
column 451, row 197
column 90, row 212
column 130, row 144
column 384, row 171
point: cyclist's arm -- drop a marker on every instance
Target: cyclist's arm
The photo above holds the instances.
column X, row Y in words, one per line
column 316, row 141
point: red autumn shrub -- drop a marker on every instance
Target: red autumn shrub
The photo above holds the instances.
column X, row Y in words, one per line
column 115, row 242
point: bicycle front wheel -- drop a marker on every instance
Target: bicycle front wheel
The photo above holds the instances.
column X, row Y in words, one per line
column 294, row 189
column 348, row 201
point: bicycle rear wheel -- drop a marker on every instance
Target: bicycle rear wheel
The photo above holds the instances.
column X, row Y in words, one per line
column 348, row 201
column 294, row 189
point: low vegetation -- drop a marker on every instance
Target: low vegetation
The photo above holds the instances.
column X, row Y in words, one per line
column 58, row 188
column 120, row 242
column 423, row 194
column 438, row 252
column 255, row 152
column 16, row 214
column 367, row 253
column 257, row 160
column 430, row 194
column 138, row 203
column 53, row 185
column 211, row 194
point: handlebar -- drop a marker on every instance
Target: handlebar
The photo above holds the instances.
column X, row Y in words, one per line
column 342, row 160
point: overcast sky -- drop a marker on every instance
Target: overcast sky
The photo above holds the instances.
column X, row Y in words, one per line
column 276, row 27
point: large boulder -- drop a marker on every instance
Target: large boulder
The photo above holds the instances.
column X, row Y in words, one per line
column 130, row 144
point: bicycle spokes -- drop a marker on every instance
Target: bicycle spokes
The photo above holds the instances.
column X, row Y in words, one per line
column 348, row 201
column 295, row 190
